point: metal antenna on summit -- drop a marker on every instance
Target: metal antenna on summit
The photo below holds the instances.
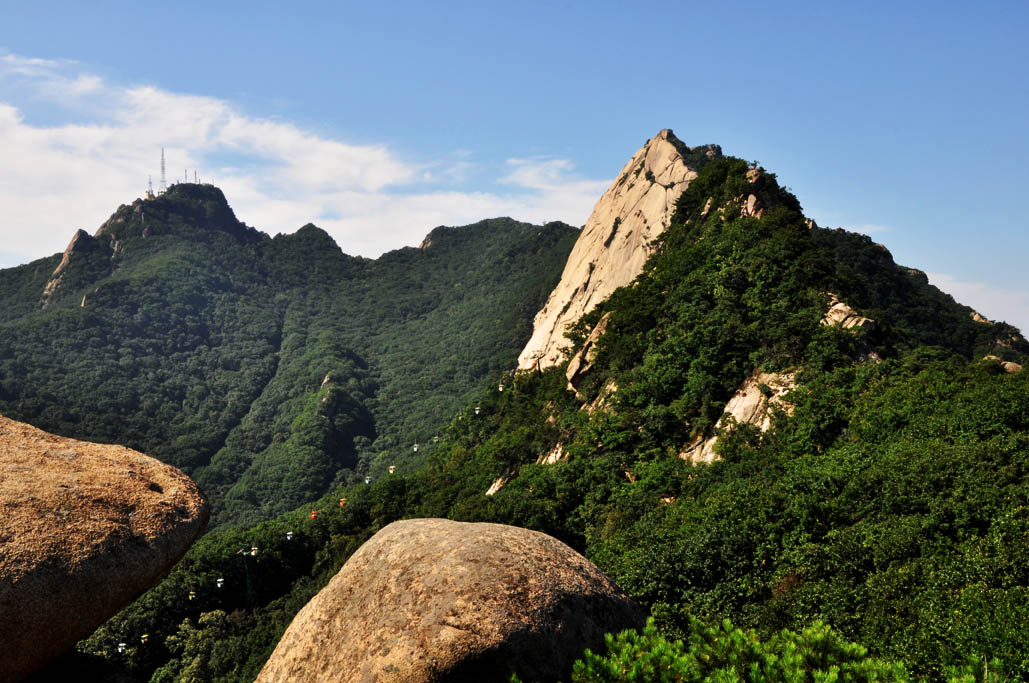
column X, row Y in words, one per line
column 164, row 184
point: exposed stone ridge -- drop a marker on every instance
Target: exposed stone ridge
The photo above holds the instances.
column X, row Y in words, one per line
column 980, row 318
column 436, row 600
column 498, row 483
column 614, row 244
column 840, row 313
column 603, row 399
column 553, row 456
column 1008, row 366
column 80, row 242
column 753, row 404
column 86, row 529
column 582, row 362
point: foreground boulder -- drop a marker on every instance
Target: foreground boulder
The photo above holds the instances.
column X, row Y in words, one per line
column 86, row 528
column 435, row 600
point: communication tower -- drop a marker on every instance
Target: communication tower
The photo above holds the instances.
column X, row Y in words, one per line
column 164, row 184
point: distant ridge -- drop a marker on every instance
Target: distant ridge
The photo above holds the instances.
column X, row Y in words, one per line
column 268, row 368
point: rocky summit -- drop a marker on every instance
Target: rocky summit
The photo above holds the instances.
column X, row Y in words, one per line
column 436, row 600
column 86, row 529
column 615, row 242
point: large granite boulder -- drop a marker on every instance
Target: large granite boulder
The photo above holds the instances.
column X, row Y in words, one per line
column 436, row 600
column 86, row 528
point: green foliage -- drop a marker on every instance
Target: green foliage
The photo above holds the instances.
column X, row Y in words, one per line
column 887, row 499
column 725, row 653
column 269, row 369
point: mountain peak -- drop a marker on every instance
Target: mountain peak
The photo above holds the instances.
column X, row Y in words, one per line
column 191, row 210
column 615, row 242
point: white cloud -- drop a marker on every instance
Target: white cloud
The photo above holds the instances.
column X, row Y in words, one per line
column 1008, row 305
column 57, row 178
column 28, row 66
column 539, row 173
column 553, row 187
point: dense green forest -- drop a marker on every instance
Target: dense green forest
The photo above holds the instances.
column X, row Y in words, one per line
column 886, row 504
column 269, row 369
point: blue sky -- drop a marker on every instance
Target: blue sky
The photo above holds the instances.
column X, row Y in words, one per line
column 379, row 121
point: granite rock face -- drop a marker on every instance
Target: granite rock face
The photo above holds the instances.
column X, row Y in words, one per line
column 86, row 528
column 753, row 403
column 615, row 242
column 436, row 600
column 582, row 362
column 839, row 313
column 1008, row 366
column 79, row 248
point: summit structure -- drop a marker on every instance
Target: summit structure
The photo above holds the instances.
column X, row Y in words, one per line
column 616, row 240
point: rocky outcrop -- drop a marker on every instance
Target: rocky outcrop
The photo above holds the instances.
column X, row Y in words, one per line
column 603, row 399
column 753, row 404
column 751, row 205
column 980, row 318
column 498, row 484
column 582, row 362
column 1009, row 367
column 553, row 456
column 86, row 528
column 615, row 242
column 435, row 600
column 840, row 313
column 80, row 243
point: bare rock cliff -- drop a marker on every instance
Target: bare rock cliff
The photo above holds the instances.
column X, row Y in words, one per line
column 86, row 528
column 80, row 243
column 436, row 600
column 753, row 403
column 839, row 313
column 615, row 242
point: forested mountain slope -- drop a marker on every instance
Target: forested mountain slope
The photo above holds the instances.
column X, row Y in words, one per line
column 887, row 496
column 266, row 368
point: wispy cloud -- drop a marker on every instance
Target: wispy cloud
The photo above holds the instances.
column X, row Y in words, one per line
column 55, row 178
column 538, row 173
column 1008, row 305
column 17, row 65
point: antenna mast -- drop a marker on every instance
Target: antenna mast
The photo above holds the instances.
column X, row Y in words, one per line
column 164, row 184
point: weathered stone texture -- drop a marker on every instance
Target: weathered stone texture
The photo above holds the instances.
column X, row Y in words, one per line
column 436, row 600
